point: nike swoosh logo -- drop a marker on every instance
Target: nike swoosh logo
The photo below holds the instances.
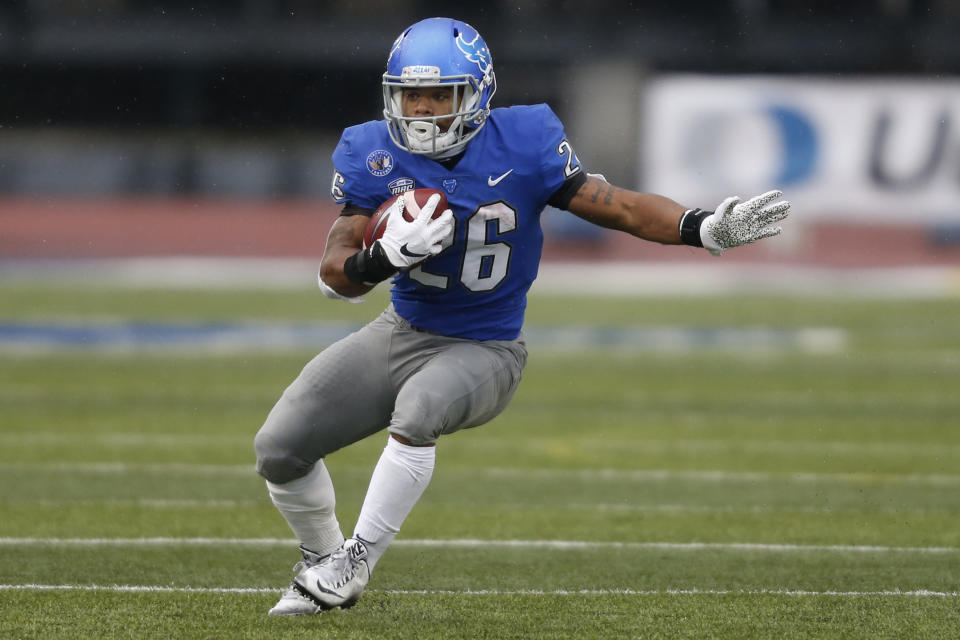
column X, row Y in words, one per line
column 410, row 254
column 492, row 183
column 325, row 590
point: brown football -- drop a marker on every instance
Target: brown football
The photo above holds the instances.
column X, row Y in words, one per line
column 378, row 221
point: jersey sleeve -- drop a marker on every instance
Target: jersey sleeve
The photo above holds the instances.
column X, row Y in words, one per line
column 561, row 197
column 351, row 182
column 560, row 167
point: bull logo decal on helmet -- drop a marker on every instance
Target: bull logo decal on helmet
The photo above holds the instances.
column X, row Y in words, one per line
column 475, row 51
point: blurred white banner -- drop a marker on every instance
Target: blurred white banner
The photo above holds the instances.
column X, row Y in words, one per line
column 870, row 148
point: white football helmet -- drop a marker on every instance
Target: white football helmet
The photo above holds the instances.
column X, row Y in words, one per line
column 439, row 52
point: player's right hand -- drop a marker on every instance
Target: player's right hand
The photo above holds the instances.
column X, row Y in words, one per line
column 407, row 243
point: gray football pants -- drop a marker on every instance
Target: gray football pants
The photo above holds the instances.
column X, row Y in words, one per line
column 388, row 374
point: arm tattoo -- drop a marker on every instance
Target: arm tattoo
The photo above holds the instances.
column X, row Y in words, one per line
column 340, row 235
column 608, row 197
column 606, row 189
column 596, row 194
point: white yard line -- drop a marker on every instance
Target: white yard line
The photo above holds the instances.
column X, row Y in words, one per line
column 119, row 439
column 648, row 445
column 736, row 508
column 601, row 507
column 619, row 475
column 921, row 593
column 184, row 468
column 722, row 476
column 677, row 546
column 469, row 543
column 143, row 503
column 150, row 503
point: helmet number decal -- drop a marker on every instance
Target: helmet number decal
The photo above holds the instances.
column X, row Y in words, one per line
column 572, row 167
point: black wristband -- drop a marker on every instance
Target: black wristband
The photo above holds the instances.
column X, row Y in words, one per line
column 690, row 223
column 368, row 266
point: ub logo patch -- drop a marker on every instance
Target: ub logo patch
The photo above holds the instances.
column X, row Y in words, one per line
column 475, row 51
column 450, row 185
column 380, row 163
column 400, row 185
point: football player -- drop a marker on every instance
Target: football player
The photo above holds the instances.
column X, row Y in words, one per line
column 447, row 354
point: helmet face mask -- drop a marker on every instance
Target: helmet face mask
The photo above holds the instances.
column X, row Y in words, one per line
column 438, row 52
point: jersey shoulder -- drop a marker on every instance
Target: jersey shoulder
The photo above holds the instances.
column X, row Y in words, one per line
column 360, row 141
column 535, row 121
column 535, row 138
column 363, row 133
column 364, row 154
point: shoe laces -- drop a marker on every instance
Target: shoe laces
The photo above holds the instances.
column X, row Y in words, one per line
column 344, row 562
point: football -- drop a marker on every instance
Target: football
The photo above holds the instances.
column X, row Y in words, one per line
column 378, row 221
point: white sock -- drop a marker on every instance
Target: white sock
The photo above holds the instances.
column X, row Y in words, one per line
column 398, row 481
column 307, row 504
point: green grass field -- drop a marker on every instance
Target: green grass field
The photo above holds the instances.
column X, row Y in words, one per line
column 719, row 490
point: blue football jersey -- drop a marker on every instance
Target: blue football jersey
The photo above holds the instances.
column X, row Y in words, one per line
column 477, row 286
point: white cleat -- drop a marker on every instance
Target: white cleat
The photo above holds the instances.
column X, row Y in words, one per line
column 339, row 580
column 292, row 602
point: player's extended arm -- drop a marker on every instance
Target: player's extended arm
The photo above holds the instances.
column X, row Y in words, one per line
column 659, row 219
column 344, row 240
column 644, row 215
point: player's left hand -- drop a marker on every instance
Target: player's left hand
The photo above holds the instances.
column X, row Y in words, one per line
column 735, row 223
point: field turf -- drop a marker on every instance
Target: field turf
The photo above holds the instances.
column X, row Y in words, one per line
column 723, row 485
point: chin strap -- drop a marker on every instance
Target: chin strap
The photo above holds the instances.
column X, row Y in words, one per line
column 422, row 134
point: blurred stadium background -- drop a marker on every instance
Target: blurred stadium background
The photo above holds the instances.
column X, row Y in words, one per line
column 205, row 128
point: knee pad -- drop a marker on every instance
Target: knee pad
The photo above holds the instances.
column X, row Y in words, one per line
column 276, row 463
column 421, row 424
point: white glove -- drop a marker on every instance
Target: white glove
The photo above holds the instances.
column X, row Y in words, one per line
column 408, row 243
column 735, row 223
